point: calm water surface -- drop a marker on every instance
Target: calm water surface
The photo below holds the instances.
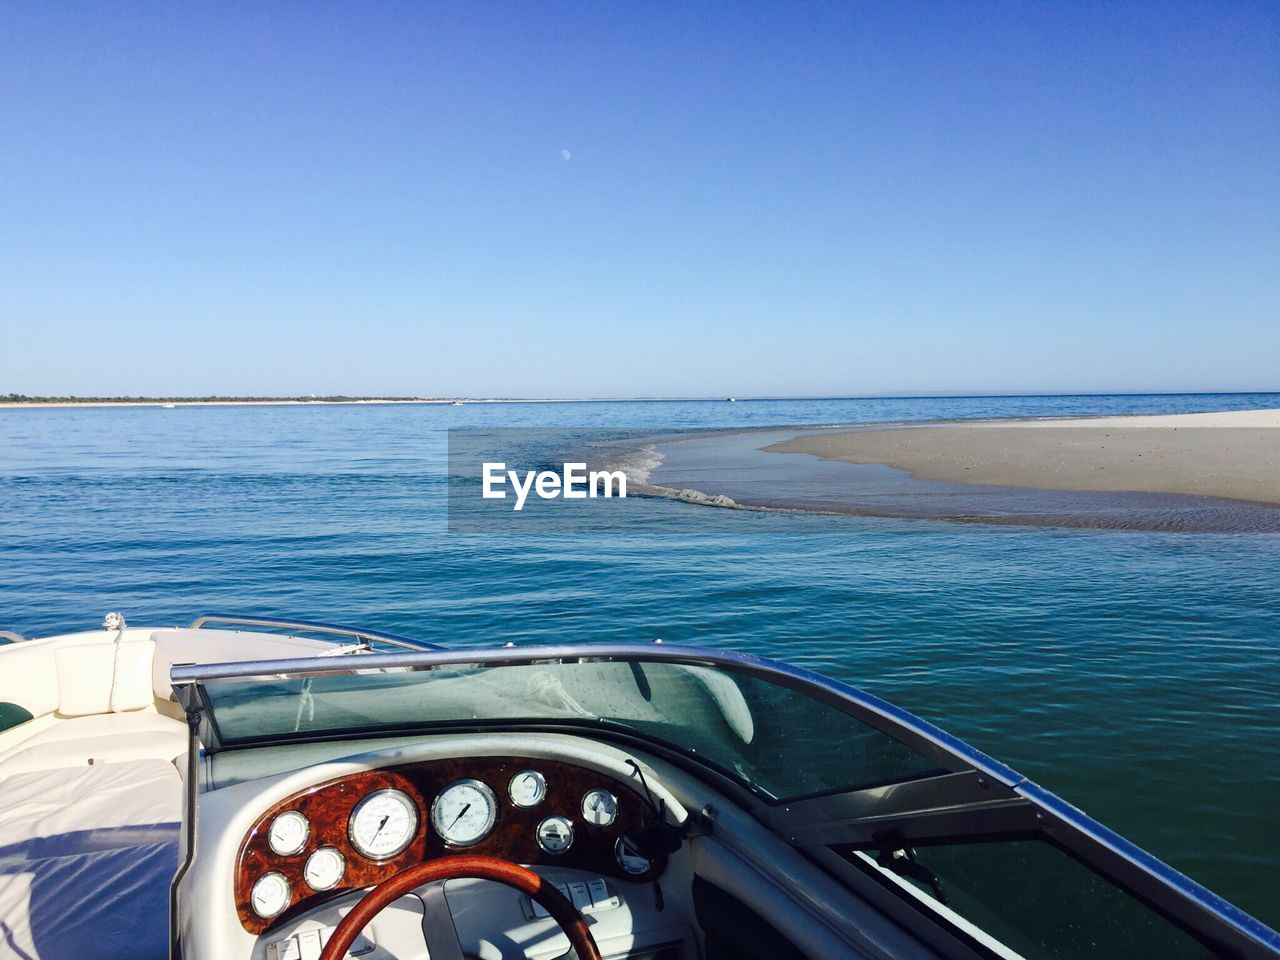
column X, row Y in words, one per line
column 1136, row 673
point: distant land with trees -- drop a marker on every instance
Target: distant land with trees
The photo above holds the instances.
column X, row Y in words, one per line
column 25, row 399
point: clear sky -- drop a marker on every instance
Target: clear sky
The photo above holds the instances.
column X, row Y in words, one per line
column 609, row 199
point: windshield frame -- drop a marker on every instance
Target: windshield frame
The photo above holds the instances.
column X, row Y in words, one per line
column 947, row 751
column 1183, row 901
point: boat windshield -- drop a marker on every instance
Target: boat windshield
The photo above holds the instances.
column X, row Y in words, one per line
column 780, row 740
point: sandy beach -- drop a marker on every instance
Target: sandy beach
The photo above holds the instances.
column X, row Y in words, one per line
column 1234, row 455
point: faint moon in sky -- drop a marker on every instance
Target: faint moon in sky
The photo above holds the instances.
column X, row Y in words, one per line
column 566, row 154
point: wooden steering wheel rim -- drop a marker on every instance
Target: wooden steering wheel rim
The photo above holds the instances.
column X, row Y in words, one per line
column 453, row 868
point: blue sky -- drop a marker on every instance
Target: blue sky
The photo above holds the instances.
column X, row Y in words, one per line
column 639, row 199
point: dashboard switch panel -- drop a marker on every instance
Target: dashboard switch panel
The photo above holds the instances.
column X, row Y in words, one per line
column 307, row 944
column 591, row 896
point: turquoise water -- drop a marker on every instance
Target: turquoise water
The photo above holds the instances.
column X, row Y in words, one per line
column 1136, row 673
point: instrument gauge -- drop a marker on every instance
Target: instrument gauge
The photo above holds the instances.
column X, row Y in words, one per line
column 630, row 857
column 288, row 833
column 599, row 808
column 555, row 835
column 324, row 869
column 464, row 813
column 270, row 895
column 383, row 824
column 528, row 788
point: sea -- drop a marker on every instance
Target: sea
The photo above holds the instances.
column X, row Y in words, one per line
column 1136, row 672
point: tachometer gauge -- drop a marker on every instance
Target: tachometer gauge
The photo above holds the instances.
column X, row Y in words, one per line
column 270, row 895
column 599, row 808
column 324, row 869
column 288, row 833
column 528, row 788
column 555, row 835
column 629, row 856
column 464, row 813
column 383, row 824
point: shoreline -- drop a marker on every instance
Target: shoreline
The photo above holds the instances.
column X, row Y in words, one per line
column 1196, row 473
column 72, row 404
column 353, row 402
column 60, row 403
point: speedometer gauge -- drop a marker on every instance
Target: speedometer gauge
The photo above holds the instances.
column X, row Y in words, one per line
column 464, row 813
column 383, row 824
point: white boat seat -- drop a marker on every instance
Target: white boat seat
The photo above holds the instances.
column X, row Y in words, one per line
column 108, row 738
column 86, row 858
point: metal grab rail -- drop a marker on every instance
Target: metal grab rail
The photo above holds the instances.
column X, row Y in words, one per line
column 8, row 636
column 311, row 626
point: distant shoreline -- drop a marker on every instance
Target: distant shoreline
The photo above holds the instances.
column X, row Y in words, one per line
column 40, row 403
column 13, row 401
column 56, row 403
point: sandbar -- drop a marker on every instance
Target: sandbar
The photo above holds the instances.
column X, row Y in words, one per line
column 1232, row 455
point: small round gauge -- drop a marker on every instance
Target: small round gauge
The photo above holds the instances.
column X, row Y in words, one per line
column 464, row 813
column 555, row 834
column 599, row 808
column 324, row 868
column 528, row 788
column 270, row 895
column 629, row 856
column 288, row 833
column 383, row 824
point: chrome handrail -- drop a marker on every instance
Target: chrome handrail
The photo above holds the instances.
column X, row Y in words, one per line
column 311, row 626
column 11, row 637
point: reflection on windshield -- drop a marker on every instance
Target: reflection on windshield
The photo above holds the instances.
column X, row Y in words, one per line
column 773, row 739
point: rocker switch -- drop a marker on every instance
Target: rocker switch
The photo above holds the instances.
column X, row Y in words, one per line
column 309, row 944
column 600, row 898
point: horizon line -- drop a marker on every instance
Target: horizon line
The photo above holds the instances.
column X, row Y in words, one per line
column 15, row 400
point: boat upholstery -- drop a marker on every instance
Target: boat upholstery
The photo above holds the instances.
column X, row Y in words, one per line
column 29, row 677
column 90, row 794
column 80, row 850
column 102, row 706
column 97, row 740
column 94, row 698
column 13, row 715
column 104, row 678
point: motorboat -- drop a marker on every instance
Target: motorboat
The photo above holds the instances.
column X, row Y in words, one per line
column 258, row 789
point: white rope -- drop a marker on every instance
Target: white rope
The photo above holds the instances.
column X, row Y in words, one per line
column 114, row 621
column 306, row 703
column 546, row 687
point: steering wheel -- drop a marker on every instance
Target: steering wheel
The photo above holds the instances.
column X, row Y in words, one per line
column 437, row 923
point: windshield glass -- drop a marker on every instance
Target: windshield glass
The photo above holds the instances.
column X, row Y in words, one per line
column 1039, row 902
column 775, row 740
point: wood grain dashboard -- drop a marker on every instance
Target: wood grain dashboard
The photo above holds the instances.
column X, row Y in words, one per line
column 328, row 807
